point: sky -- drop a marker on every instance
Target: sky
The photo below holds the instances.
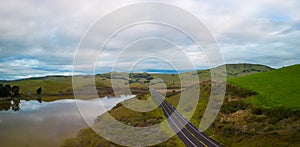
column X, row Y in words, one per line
column 40, row 38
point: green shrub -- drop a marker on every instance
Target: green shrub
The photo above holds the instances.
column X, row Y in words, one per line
column 233, row 106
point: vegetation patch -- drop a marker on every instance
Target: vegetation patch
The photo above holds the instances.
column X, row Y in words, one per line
column 277, row 88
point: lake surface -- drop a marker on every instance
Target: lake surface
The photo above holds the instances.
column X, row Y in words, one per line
column 34, row 123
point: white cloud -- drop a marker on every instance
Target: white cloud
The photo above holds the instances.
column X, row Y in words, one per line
column 24, row 62
column 45, row 34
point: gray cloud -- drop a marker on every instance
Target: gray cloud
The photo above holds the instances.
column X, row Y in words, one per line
column 40, row 38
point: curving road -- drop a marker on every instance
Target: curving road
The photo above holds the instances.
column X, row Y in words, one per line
column 187, row 132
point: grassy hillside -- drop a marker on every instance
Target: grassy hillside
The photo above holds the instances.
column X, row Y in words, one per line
column 238, row 123
column 87, row 137
column 278, row 88
column 242, row 69
column 30, row 85
column 232, row 70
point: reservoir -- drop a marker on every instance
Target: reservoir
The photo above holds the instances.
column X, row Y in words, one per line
column 36, row 123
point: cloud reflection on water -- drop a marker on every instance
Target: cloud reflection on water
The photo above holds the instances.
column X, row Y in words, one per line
column 48, row 123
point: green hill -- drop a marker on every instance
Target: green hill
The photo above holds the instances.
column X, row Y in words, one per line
column 242, row 69
column 232, row 70
column 277, row 88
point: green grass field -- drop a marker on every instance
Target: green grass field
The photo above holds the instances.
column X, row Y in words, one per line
column 51, row 84
column 278, row 88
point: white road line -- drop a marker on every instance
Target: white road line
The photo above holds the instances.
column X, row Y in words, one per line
column 186, row 122
column 176, row 125
column 179, row 129
column 197, row 131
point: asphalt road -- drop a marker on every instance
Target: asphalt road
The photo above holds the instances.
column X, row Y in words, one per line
column 186, row 131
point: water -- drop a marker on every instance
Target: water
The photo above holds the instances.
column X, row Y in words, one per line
column 34, row 123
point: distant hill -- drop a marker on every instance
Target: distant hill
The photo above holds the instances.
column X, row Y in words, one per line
column 277, row 88
column 50, row 84
column 63, row 84
column 242, row 69
column 232, row 70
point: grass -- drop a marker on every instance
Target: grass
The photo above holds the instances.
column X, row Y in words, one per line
column 278, row 88
column 232, row 70
column 51, row 84
column 236, row 70
column 87, row 137
column 238, row 123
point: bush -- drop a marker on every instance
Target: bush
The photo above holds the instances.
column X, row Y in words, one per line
column 276, row 114
column 257, row 111
column 231, row 107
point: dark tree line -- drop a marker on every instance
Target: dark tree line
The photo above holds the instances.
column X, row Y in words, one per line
column 8, row 91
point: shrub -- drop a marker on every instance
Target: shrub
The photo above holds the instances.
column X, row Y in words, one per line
column 231, row 107
column 257, row 111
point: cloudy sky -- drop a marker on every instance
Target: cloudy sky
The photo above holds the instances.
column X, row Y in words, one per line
column 41, row 37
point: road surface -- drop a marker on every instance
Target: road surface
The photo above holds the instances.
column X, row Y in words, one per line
column 187, row 132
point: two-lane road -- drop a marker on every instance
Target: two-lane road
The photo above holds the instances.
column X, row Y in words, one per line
column 186, row 131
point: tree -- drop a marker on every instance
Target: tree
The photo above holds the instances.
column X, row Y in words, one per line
column 5, row 91
column 39, row 90
column 8, row 91
column 15, row 91
column 8, row 87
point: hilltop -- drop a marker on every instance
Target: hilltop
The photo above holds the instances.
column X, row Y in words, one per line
column 242, row 69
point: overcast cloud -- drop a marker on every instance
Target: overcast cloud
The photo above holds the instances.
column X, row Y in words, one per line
column 39, row 38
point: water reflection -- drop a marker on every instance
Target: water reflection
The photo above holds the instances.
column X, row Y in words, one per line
column 7, row 104
column 35, row 123
column 12, row 104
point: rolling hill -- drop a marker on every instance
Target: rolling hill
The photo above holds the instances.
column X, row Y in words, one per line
column 62, row 85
